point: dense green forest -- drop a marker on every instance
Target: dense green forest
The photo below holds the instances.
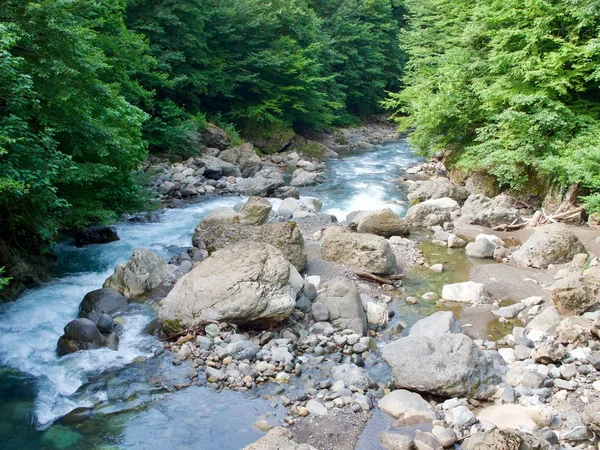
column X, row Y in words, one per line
column 507, row 87
column 89, row 87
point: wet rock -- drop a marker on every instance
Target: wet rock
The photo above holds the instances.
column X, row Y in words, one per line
column 264, row 184
column 408, row 407
column 467, row 292
column 383, row 222
column 245, row 158
column 79, row 334
column 363, row 252
column 441, row 187
column 144, row 271
column 437, row 324
column 481, row 210
column 104, row 301
column 449, row 365
column 393, row 441
column 286, row 237
column 351, row 375
column 376, row 314
column 301, row 177
column 431, row 212
column 247, row 283
column 550, row 244
column 255, row 211
column 96, row 235
column 344, row 306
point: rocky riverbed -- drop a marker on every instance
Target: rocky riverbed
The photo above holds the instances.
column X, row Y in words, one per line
column 371, row 329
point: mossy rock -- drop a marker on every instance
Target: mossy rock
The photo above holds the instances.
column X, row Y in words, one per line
column 308, row 147
column 271, row 138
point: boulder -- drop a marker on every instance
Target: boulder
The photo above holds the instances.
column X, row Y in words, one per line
column 383, row 222
column 408, row 407
column 285, row 236
column 264, row 184
column 96, row 235
column 497, row 439
column 310, row 148
column 591, row 417
column 214, row 137
column 247, row 283
column 481, row 248
column 467, row 292
column 220, row 216
column 105, row 300
column 394, row 441
column 344, row 306
column 278, row 439
column 481, row 210
column 546, row 321
column 437, row 324
column 451, row 365
column 255, row 211
column 352, row 375
column 376, row 314
column 245, row 158
column 442, row 187
column 571, row 297
column 144, row 271
column 550, row 244
column 363, row 252
column 79, row 334
column 215, row 168
column 271, row 138
column 301, row 177
column 431, row 212
column 508, row 416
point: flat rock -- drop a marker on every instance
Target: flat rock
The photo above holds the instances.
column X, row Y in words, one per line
column 408, row 407
column 467, row 292
column 437, row 324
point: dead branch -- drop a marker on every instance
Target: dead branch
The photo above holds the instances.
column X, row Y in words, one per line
column 371, row 277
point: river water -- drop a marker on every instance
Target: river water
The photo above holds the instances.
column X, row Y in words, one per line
column 133, row 410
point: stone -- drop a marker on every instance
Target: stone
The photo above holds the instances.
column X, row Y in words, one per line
column 316, row 408
column 144, row 271
column 262, row 425
column 245, row 158
column 437, row 324
column 243, row 350
column 572, row 298
column 301, row 177
column 264, row 184
column 96, row 235
column 437, row 268
column 376, row 314
column 508, row 416
column 546, row 321
column 213, row 375
column 507, row 439
column 382, row 222
column 489, row 212
column 460, row 416
column 362, row 252
column 351, row 375
column 454, row 366
column 441, row 187
column 456, row 242
column 255, row 211
column 393, row 441
column 344, row 306
column 591, row 417
column 278, row 439
column 426, row 441
column 550, row 244
column 215, row 168
column 408, row 407
column 549, row 352
column 574, row 330
column 431, row 212
column 79, row 334
column 481, row 248
column 247, row 283
column 269, row 138
column 467, row 292
column 104, row 301
column 220, row 216
column 446, row 436
column 509, row 312
column 281, row 354
column 214, row 137
column 320, row 312
column 286, row 237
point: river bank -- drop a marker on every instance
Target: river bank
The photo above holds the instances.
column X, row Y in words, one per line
column 320, row 372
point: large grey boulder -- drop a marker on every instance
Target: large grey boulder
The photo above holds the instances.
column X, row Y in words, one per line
column 351, row 375
column 214, row 137
column 247, row 283
column 550, row 244
column 215, row 168
column 96, row 235
column 572, row 297
column 302, row 177
column 483, row 247
column 255, row 211
column 79, row 334
column 245, row 158
column 421, row 191
column 278, row 439
column 144, row 271
column 264, row 184
column 431, row 212
column 383, row 222
column 105, row 300
column 363, row 252
column 285, row 236
column 481, row 210
column 437, row 324
column 451, row 365
column 408, row 407
column 344, row 305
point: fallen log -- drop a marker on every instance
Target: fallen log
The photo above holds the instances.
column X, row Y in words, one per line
column 371, row 277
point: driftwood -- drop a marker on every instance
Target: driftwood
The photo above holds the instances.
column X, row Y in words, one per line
column 539, row 218
column 371, row 277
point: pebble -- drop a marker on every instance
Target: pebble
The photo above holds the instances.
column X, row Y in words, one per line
column 316, row 407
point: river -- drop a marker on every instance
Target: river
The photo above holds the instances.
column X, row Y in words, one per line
column 132, row 409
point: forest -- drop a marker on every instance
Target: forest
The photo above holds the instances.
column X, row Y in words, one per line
column 88, row 88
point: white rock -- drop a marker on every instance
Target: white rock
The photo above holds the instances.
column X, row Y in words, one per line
column 376, row 314
column 467, row 292
column 408, row 407
column 317, row 408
